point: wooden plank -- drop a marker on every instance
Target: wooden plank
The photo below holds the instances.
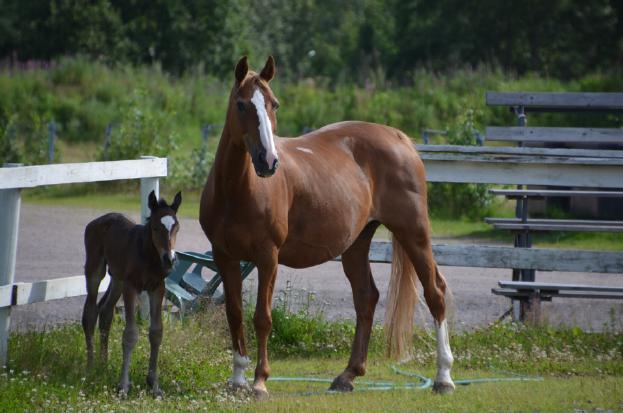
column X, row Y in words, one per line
column 6, row 295
column 530, row 155
column 545, row 193
column 516, row 171
column 558, row 227
column 559, row 135
column 546, row 221
column 551, row 286
column 39, row 291
column 31, row 176
column 487, row 256
column 599, row 101
column 547, row 296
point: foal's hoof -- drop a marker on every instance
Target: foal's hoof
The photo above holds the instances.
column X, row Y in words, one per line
column 238, row 385
column 443, row 388
column 157, row 393
column 122, row 391
column 342, row 385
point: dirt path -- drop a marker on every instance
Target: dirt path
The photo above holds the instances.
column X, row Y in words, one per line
column 51, row 246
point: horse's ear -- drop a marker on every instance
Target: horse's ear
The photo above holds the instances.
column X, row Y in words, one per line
column 176, row 202
column 241, row 69
column 152, row 201
column 269, row 69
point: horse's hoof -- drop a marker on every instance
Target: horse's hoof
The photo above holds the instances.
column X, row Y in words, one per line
column 157, row 393
column 122, row 391
column 443, row 388
column 260, row 393
column 341, row 385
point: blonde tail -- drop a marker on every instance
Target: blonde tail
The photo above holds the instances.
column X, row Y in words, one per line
column 401, row 301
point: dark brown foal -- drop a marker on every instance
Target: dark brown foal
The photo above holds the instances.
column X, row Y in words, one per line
column 303, row 201
column 138, row 258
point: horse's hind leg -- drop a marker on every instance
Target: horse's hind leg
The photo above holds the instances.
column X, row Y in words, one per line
column 95, row 269
column 365, row 295
column 106, row 309
column 415, row 240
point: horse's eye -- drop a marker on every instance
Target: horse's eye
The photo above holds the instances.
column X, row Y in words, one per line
column 241, row 107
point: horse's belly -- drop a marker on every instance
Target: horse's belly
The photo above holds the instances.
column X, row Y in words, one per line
column 300, row 254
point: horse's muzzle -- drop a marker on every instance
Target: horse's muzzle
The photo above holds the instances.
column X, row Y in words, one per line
column 168, row 261
column 261, row 166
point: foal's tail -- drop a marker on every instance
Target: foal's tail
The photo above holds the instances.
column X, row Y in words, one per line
column 401, row 301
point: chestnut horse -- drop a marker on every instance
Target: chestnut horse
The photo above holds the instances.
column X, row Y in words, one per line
column 303, row 201
column 138, row 257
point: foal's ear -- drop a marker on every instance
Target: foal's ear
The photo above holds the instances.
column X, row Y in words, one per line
column 269, row 69
column 241, row 69
column 176, row 202
column 152, row 201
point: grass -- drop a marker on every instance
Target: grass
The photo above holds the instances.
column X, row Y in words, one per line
column 580, row 370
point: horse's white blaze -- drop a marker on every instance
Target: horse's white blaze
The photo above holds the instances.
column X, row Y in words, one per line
column 168, row 221
column 240, row 364
column 302, row 149
column 265, row 127
column 444, row 354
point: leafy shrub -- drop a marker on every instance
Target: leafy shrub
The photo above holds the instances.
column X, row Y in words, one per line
column 142, row 131
column 461, row 200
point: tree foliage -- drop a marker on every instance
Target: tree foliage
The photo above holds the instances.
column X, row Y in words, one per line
column 349, row 40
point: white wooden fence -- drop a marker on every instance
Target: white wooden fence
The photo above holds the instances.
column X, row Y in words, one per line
column 15, row 177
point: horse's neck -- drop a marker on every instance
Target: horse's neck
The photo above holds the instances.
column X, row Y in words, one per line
column 147, row 244
column 232, row 166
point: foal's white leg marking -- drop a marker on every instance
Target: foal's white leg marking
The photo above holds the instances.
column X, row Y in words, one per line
column 300, row 148
column 266, row 129
column 444, row 354
column 240, row 364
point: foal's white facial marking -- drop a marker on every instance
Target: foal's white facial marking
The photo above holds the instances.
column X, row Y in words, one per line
column 266, row 129
column 444, row 354
column 168, row 221
column 300, row 148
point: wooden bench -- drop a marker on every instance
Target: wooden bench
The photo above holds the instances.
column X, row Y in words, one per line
column 586, row 143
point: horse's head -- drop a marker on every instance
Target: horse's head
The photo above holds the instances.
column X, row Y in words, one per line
column 163, row 225
column 252, row 107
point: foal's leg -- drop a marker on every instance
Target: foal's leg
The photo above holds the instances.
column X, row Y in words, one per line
column 130, row 337
column 263, row 322
column 365, row 295
column 416, row 242
column 232, row 286
column 155, row 338
column 106, row 308
column 95, row 269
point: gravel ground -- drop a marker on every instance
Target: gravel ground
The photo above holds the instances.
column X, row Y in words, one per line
column 51, row 246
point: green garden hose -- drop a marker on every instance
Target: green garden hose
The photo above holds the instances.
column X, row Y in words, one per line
column 422, row 382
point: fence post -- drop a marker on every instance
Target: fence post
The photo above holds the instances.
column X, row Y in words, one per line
column 10, row 200
column 51, row 141
column 147, row 185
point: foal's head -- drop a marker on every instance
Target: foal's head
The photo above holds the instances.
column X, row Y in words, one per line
column 252, row 108
column 163, row 225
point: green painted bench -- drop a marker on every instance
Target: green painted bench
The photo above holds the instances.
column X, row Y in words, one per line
column 184, row 287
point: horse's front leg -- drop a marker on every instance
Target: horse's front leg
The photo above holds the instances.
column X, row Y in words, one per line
column 262, row 320
column 232, row 286
column 130, row 337
column 155, row 338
